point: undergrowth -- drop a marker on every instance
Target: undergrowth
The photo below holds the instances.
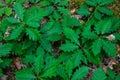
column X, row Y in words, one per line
column 53, row 45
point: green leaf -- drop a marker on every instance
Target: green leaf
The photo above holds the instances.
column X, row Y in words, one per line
column 111, row 74
column 77, row 57
column 98, row 75
column 50, row 72
column 47, row 26
column 87, row 33
column 33, row 34
column 33, row 16
column 61, row 72
column 34, row 1
column 91, row 58
column 5, row 49
column 54, row 37
column 103, row 2
column 1, row 36
column 5, row 63
column 103, row 26
column 1, row 4
column 29, row 59
column 24, row 74
column 117, row 77
column 117, row 36
column 98, row 15
column 44, row 3
column 8, row 11
column 46, row 45
column 105, row 10
column 26, row 44
column 17, row 48
column 83, row 10
column 64, row 3
column 12, row 20
column 71, row 34
column 75, row 22
column 51, row 65
column 70, row 21
column 19, row 10
column 116, row 23
column 1, row 73
column 1, row 11
column 68, row 47
column 1, row 60
column 39, row 61
column 91, row 2
column 63, row 10
column 56, row 15
column 69, row 68
column 9, row 1
column 109, row 48
column 20, row 1
column 80, row 73
column 97, row 46
column 16, row 32
column 54, row 29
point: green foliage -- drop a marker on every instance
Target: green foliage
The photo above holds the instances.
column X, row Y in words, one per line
column 105, row 10
column 5, row 49
column 83, row 10
column 12, row 20
column 98, row 75
column 16, row 32
column 88, row 34
column 54, row 44
column 70, row 21
column 68, row 47
column 1, row 72
column 111, row 74
column 99, row 2
column 19, row 10
column 97, row 46
column 24, row 74
column 103, row 26
column 46, row 45
column 80, row 73
column 70, row 34
column 33, row 34
column 110, row 51
column 33, row 16
column 39, row 61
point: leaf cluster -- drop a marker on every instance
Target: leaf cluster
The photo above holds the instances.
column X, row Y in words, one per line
column 53, row 44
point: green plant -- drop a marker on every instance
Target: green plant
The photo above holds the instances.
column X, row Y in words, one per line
column 54, row 45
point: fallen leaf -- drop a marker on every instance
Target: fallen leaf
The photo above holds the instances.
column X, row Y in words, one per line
column 91, row 9
column 17, row 62
column 73, row 11
column 110, row 37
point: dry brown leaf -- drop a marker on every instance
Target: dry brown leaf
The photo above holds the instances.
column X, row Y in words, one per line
column 91, row 9
column 73, row 11
column 110, row 37
column 17, row 62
